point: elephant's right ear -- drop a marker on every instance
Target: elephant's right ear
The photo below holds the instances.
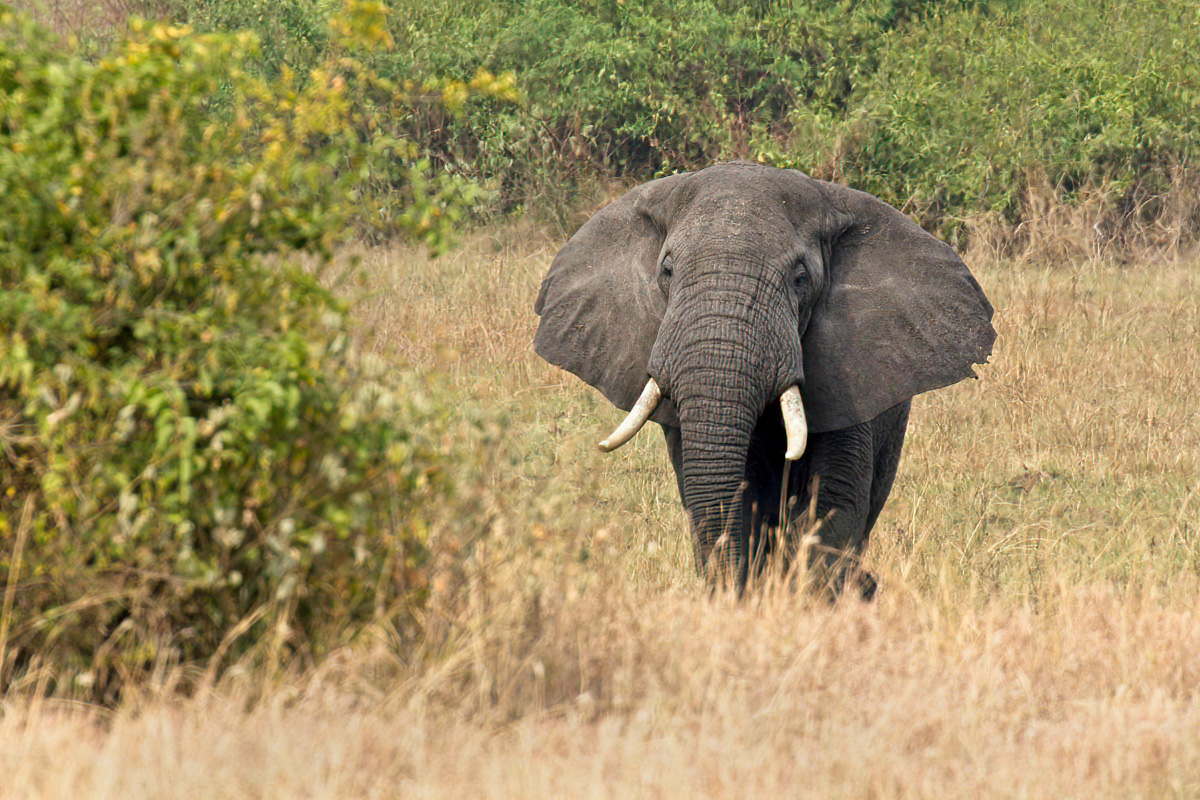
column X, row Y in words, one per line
column 600, row 304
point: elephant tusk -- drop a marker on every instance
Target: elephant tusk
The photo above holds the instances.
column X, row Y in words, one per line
column 794, row 423
column 638, row 415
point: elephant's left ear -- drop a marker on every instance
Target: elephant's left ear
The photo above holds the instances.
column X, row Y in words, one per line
column 901, row 315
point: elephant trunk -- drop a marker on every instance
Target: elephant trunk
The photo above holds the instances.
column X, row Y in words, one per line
column 716, row 437
column 727, row 348
column 725, row 374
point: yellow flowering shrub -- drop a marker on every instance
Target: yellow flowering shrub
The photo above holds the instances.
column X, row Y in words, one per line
column 194, row 461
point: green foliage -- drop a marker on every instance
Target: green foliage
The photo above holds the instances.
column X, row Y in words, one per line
column 208, row 462
column 964, row 111
column 293, row 34
column 631, row 87
column 947, row 109
column 394, row 99
column 640, row 87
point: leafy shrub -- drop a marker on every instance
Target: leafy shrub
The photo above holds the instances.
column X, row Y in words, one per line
column 293, row 34
column 950, row 110
column 640, row 86
column 631, row 87
column 204, row 462
column 964, row 111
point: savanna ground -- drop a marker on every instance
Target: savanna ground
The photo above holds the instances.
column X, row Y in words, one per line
column 1037, row 632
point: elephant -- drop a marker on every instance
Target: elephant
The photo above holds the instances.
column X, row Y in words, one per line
column 777, row 327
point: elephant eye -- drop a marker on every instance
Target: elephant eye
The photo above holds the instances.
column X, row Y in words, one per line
column 803, row 282
column 665, row 272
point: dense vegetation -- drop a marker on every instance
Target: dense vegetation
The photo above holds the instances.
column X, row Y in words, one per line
column 952, row 110
column 195, row 457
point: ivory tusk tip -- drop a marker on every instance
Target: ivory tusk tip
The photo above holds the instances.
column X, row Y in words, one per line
column 794, row 423
column 638, row 415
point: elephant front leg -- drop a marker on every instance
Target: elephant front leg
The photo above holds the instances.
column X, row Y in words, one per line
column 827, row 519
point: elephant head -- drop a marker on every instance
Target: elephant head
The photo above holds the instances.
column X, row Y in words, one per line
column 706, row 299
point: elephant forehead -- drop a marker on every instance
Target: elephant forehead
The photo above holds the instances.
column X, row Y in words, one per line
column 778, row 204
column 736, row 215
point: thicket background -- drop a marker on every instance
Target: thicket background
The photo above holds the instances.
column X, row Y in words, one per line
column 954, row 111
column 958, row 111
column 200, row 460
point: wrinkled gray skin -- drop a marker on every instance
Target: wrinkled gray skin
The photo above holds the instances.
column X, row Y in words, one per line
column 729, row 285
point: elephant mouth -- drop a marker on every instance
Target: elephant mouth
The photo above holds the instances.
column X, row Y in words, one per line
column 790, row 402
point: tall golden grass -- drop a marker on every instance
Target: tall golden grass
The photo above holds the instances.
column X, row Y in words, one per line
column 1037, row 632
column 87, row 19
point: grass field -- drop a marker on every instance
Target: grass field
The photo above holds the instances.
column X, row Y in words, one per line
column 1037, row 633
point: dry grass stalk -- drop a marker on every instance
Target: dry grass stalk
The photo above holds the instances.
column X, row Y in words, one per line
column 14, row 571
column 1157, row 218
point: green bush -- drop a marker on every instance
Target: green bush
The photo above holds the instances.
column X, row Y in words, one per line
column 630, row 87
column 963, row 112
column 293, row 34
column 193, row 458
column 639, row 87
column 947, row 109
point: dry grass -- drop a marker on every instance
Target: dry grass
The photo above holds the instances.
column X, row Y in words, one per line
column 1037, row 632
column 1156, row 218
column 88, row 19
column 685, row 697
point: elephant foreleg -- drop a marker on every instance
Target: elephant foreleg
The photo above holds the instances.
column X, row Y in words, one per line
column 851, row 472
column 890, row 427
